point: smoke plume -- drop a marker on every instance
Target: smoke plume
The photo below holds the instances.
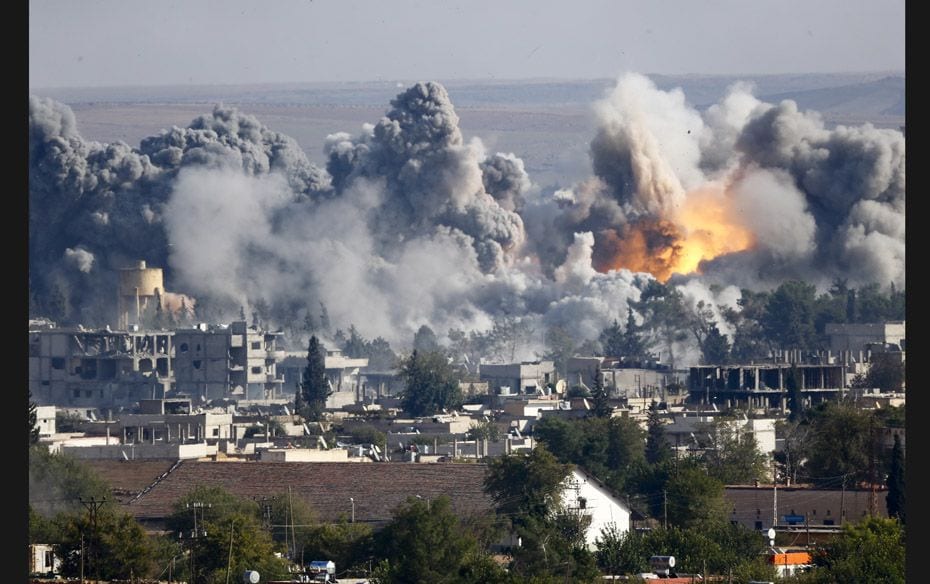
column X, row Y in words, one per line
column 408, row 224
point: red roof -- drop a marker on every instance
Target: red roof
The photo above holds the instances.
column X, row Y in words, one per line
column 377, row 488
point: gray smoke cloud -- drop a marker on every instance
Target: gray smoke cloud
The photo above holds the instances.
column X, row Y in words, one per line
column 819, row 203
column 408, row 224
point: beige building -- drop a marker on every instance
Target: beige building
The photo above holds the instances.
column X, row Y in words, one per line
column 99, row 368
column 234, row 361
column 140, row 289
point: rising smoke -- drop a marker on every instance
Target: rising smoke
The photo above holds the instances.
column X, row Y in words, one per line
column 409, row 225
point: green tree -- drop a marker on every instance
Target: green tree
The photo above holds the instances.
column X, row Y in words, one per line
column 733, row 457
column 527, row 491
column 290, row 521
column 426, row 542
column 315, row 384
column 355, row 346
column 621, row 553
column 210, row 522
column 431, row 384
column 795, row 397
column 346, row 544
column 381, row 356
column 484, row 430
column 838, row 444
column 600, row 395
column 716, row 348
column 664, row 315
column 886, row 372
column 325, row 323
column 425, row 341
column 633, row 346
column 789, row 316
column 58, row 482
column 658, row 450
column 609, row 448
column 870, row 551
column 749, row 339
column 695, row 498
column 42, row 529
column 896, row 492
column 114, row 545
column 33, row 422
column 612, row 341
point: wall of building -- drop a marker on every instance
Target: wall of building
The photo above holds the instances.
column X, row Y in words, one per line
column 98, row 369
column 304, row 455
column 855, row 337
column 141, row 451
column 594, row 500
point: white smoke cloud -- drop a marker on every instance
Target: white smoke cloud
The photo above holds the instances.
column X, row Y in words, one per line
column 410, row 225
column 80, row 258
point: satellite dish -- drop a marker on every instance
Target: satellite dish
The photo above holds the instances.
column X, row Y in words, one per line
column 771, row 534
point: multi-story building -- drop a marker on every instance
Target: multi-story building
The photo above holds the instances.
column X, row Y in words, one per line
column 81, row 368
column 227, row 361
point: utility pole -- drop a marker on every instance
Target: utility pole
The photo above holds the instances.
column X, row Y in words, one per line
column 196, row 534
column 774, row 493
column 229, row 557
column 665, row 507
column 843, row 501
column 92, row 506
column 872, row 505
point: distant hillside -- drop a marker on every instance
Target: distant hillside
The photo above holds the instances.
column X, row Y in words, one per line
column 860, row 93
column 881, row 97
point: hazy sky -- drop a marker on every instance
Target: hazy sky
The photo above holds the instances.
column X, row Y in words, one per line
column 129, row 42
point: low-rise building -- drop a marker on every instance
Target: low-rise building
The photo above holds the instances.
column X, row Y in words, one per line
column 527, row 377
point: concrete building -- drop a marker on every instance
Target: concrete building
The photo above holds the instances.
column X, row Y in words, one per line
column 173, row 421
column 99, row 368
column 344, row 375
column 856, row 338
column 234, row 361
column 140, row 289
column 625, row 380
column 797, row 508
column 45, row 420
column 42, row 560
column 762, row 386
column 528, row 377
column 161, row 429
column 685, row 432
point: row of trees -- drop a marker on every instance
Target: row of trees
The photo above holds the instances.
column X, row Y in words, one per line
column 792, row 316
column 213, row 534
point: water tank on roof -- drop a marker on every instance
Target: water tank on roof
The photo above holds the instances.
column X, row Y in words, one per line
column 662, row 564
column 250, row 577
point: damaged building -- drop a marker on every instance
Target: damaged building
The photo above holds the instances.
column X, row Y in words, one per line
column 102, row 368
column 765, row 385
column 228, row 361
column 91, row 369
column 626, row 380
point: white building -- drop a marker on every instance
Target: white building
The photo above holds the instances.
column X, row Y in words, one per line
column 589, row 496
